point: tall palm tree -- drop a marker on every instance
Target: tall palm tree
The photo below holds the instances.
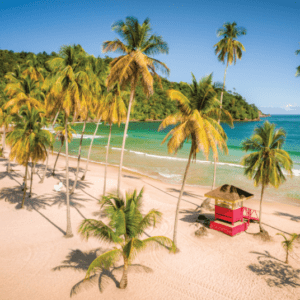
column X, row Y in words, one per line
column 298, row 68
column 60, row 134
column 87, row 103
column 98, row 74
column 288, row 244
column 264, row 165
column 126, row 226
column 28, row 140
column 114, row 112
column 228, row 50
column 64, row 95
column 5, row 121
column 193, row 122
column 134, row 65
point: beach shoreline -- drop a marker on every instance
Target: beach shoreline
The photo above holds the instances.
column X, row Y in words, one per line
column 33, row 241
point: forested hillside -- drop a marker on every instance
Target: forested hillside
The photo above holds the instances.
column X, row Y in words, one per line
column 156, row 107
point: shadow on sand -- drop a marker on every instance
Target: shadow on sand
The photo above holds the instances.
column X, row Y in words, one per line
column 292, row 217
column 80, row 261
column 276, row 273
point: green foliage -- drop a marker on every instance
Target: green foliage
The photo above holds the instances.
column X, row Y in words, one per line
column 126, row 225
column 156, row 107
column 265, row 163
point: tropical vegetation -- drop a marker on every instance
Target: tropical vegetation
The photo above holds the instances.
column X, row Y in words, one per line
column 288, row 244
column 28, row 140
column 195, row 122
column 267, row 160
column 136, row 64
column 125, row 228
column 228, row 50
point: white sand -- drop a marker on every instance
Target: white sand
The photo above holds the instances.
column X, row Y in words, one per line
column 218, row 266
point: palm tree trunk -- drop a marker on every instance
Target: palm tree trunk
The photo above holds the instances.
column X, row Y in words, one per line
column 78, row 160
column 260, row 207
column 106, row 159
column 46, row 167
column 55, row 118
column 3, row 141
column 53, row 173
column 32, row 171
column 33, row 168
column 179, row 198
column 287, row 257
column 219, row 119
column 69, row 229
column 90, row 150
column 8, row 165
column 132, row 93
column 25, row 185
column 123, row 282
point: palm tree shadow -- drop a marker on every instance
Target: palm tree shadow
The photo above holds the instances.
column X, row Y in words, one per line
column 169, row 193
column 266, row 254
column 12, row 175
column 192, row 216
column 80, row 261
column 14, row 195
column 275, row 273
column 292, row 217
column 189, row 194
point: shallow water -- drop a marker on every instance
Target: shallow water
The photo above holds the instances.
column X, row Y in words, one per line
column 145, row 154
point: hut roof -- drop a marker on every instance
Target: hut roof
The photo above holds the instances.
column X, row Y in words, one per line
column 228, row 193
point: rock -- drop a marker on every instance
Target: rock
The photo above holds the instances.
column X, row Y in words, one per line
column 201, row 232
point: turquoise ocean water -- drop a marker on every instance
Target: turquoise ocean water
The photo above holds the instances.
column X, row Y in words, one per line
column 145, row 154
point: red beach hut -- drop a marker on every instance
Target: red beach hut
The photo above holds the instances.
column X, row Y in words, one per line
column 230, row 211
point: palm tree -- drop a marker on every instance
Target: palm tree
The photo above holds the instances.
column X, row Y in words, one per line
column 5, row 121
column 134, row 65
column 228, row 49
column 298, row 68
column 60, row 134
column 288, row 244
column 114, row 112
column 28, row 140
column 87, row 104
column 65, row 95
column 98, row 73
column 265, row 164
column 25, row 91
column 195, row 124
column 126, row 226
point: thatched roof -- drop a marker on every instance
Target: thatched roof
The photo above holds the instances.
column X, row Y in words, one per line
column 228, row 192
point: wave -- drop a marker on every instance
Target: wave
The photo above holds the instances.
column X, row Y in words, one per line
column 78, row 136
column 170, row 175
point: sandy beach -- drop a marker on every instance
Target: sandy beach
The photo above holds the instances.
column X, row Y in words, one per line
column 38, row 262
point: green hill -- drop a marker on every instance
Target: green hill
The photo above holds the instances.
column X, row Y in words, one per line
column 156, row 107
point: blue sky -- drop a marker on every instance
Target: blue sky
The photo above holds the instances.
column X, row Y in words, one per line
column 265, row 76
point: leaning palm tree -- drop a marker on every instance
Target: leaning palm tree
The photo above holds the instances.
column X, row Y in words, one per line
column 98, row 72
column 87, row 103
column 64, row 95
column 288, row 244
column 264, row 165
column 298, row 68
column 196, row 125
column 60, row 134
column 134, row 65
column 28, row 140
column 114, row 112
column 125, row 228
column 228, row 50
